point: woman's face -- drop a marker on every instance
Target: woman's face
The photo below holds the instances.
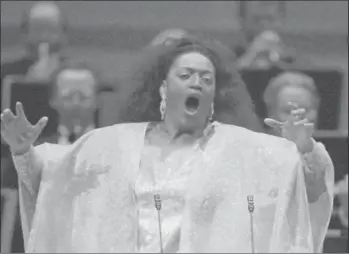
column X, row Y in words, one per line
column 190, row 89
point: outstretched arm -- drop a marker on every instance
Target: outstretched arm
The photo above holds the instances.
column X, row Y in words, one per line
column 317, row 164
column 20, row 135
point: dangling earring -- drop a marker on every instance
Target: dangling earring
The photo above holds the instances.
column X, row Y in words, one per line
column 163, row 102
column 162, row 108
column 212, row 112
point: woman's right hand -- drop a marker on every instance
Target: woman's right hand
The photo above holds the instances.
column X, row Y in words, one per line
column 18, row 132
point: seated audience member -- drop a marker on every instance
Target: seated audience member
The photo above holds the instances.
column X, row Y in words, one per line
column 74, row 98
column 290, row 91
column 266, row 50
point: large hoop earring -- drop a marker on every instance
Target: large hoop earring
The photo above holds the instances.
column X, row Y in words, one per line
column 162, row 108
column 162, row 103
column 212, row 112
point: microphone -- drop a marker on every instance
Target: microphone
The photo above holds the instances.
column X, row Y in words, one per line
column 157, row 201
column 250, row 207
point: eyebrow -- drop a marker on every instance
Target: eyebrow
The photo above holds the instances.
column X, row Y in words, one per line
column 194, row 70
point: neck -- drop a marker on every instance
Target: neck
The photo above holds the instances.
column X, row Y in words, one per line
column 177, row 132
column 33, row 53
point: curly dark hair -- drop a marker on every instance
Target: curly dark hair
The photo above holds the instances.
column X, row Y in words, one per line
column 232, row 100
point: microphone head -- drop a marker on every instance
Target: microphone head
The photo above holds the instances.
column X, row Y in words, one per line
column 250, row 199
column 157, row 200
column 250, row 203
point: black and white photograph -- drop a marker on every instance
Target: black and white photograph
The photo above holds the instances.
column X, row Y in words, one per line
column 174, row 126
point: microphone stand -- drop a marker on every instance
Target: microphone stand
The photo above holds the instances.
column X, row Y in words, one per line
column 250, row 202
column 157, row 200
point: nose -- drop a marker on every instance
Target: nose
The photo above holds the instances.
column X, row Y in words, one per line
column 196, row 84
column 196, row 87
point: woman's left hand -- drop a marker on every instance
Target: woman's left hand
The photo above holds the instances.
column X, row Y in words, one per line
column 296, row 129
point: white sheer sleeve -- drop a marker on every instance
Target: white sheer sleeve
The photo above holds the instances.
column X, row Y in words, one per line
column 30, row 167
column 319, row 181
column 318, row 172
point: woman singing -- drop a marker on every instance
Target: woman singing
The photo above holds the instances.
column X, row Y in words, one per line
column 177, row 182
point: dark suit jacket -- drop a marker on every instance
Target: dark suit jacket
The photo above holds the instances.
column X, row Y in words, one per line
column 16, row 67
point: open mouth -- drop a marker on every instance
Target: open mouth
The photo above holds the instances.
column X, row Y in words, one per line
column 192, row 104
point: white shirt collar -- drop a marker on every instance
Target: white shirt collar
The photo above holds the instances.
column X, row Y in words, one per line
column 63, row 132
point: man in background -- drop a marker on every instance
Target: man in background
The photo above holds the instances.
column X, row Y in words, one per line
column 44, row 30
column 74, row 98
column 265, row 51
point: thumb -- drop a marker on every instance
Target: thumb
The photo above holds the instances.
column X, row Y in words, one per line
column 273, row 123
column 40, row 125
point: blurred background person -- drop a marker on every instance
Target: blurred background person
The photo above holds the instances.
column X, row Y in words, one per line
column 265, row 51
column 74, row 98
column 287, row 92
column 167, row 37
column 44, row 32
column 262, row 45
